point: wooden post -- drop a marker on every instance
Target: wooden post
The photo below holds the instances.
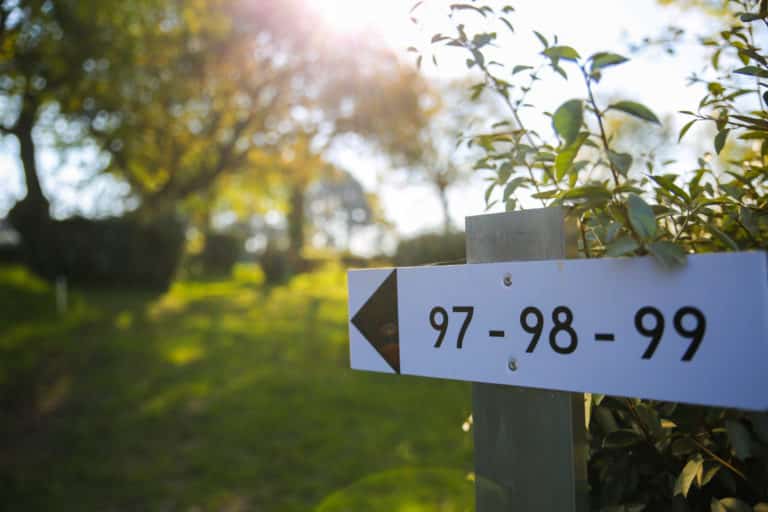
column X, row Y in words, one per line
column 530, row 444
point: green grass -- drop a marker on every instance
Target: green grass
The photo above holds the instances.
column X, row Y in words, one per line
column 218, row 395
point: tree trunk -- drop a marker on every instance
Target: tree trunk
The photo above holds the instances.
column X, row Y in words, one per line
column 30, row 216
column 296, row 221
column 443, row 194
column 23, row 131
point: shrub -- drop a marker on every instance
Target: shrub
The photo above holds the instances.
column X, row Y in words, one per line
column 220, row 253
column 430, row 249
column 645, row 455
column 275, row 264
column 122, row 251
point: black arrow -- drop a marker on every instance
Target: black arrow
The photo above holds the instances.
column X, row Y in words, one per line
column 377, row 321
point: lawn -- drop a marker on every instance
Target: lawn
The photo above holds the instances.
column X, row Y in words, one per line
column 217, row 395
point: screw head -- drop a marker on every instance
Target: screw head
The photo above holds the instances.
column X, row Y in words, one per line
column 512, row 365
column 507, row 279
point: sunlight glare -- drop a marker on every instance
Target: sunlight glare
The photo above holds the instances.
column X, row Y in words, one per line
column 359, row 17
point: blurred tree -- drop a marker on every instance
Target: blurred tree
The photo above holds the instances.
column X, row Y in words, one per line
column 437, row 159
column 59, row 62
column 338, row 206
column 261, row 96
column 207, row 86
column 56, row 53
column 180, row 94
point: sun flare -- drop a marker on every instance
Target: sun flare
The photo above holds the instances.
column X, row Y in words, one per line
column 359, row 17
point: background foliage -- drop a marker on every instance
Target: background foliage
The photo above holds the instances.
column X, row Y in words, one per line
column 195, row 110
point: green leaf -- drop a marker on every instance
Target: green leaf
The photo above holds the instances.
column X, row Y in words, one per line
column 755, row 122
column 641, row 217
column 635, row 109
column 546, row 194
column 724, row 239
column 489, row 191
column 685, row 129
column 709, row 473
column 623, row 438
column 477, row 90
column 508, row 24
column 668, row 254
column 605, row 418
column 720, row 138
column 567, row 120
column 733, row 190
column 587, row 410
column 483, row 39
column 621, row 246
column 754, row 136
column 682, row 446
column 602, row 60
column 747, row 217
column 512, row 186
column 740, row 439
column 667, row 182
column 734, row 505
column 562, row 52
column 590, row 192
column 688, row 475
column 621, row 161
column 504, row 173
column 542, row 39
column 479, row 58
column 626, row 188
column 567, row 155
column 520, row 67
column 650, row 420
column 752, row 71
column 462, row 7
column 716, row 59
column 749, row 16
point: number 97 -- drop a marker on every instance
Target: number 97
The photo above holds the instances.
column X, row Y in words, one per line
column 438, row 319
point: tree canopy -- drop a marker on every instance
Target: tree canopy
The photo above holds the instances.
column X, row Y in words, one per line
column 179, row 94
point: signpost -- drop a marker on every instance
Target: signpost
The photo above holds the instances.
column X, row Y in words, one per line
column 625, row 327
column 615, row 326
column 530, row 445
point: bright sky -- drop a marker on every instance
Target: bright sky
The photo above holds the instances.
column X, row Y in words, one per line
column 587, row 25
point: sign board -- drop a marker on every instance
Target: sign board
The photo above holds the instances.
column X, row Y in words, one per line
column 627, row 327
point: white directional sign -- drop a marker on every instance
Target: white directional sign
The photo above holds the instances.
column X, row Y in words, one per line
column 628, row 327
